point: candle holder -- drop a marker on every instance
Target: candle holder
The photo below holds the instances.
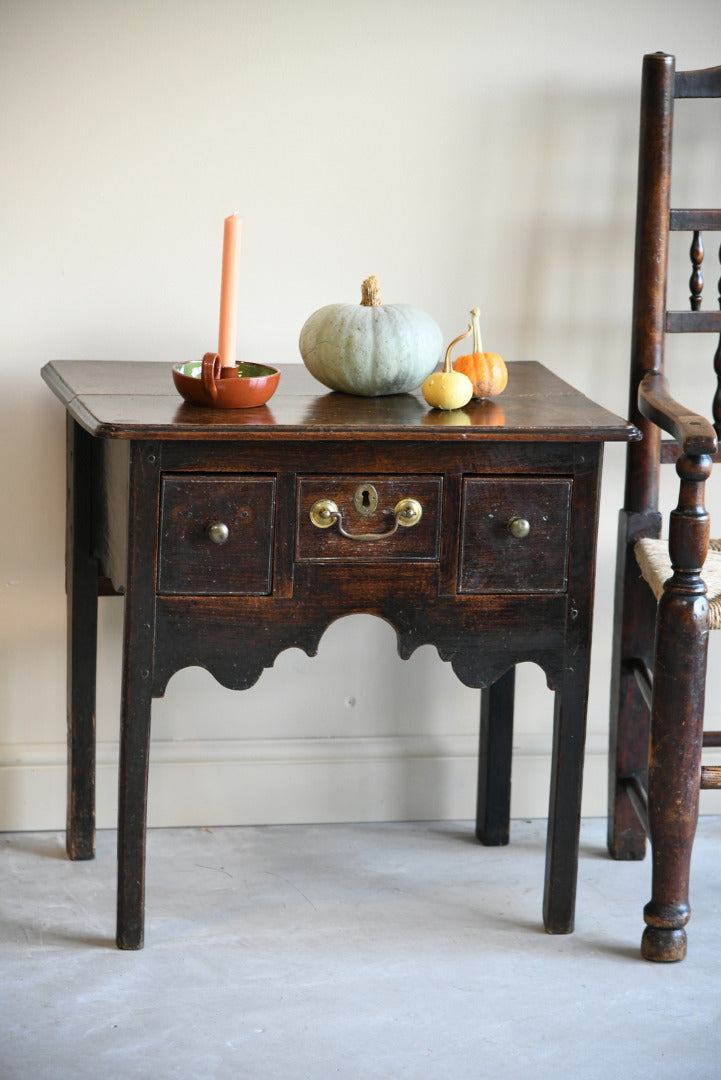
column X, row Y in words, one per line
column 240, row 386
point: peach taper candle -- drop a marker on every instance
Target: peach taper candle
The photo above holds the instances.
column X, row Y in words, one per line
column 228, row 330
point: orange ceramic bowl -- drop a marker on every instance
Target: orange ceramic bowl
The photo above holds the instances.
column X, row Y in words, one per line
column 252, row 384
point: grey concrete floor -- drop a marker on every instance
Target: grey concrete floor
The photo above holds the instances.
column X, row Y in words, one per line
column 362, row 951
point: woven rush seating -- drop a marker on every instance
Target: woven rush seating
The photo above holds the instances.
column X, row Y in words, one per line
column 655, row 565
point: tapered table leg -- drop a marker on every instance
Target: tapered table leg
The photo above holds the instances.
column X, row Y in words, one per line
column 137, row 685
column 493, row 809
column 132, row 809
column 82, row 618
column 564, row 813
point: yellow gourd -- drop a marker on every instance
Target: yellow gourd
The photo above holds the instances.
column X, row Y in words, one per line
column 448, row 389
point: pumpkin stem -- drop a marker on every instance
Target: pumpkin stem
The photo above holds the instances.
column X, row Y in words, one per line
column 371, row 292
column 476, row 324
column 447, row 362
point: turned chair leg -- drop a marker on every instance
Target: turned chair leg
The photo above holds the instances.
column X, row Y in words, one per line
column 679, row 683
column 675, row 770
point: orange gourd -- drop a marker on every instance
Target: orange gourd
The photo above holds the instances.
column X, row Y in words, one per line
column 486, row 370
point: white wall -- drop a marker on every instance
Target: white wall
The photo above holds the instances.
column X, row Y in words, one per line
column 469, row 153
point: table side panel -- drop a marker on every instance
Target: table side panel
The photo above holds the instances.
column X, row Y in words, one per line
column 110, row 498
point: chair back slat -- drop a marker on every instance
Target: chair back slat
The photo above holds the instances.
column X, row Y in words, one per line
column 698, row 84
column 655, row 221
column 693, row 322
column 704, row 83
column 694, row 220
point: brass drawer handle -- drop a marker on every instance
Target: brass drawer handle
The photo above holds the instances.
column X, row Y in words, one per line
column 519, row 527
column 325, row 512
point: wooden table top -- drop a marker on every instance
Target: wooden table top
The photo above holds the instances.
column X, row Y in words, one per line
column 138, row 400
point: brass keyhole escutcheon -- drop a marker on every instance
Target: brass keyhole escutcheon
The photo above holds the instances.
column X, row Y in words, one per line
column 365, row 499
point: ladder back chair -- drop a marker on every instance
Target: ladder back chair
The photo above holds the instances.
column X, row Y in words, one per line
column 668, row 592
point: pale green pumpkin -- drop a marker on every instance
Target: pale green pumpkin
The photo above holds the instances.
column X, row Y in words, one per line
column 369, row 348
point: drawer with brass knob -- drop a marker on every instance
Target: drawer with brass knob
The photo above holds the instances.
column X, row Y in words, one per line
column 388, row 517
column 514, row 535
column 216, row 535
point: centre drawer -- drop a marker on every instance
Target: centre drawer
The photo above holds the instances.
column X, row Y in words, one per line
column 366, row 517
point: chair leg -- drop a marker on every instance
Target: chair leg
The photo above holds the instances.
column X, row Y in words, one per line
column 493, row 809
column 675, row 769
column 82, row 616
column 634, row 629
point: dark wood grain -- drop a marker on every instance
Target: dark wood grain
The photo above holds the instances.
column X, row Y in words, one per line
column 419, row 543
column 677, row 710
column 137, row 683
column 495, row 759
column 690, row 220
column 693, row 433
column 660, row 749
column 704, row 82
column 190, row 562
column 160, row 473
column 82, row 626
column 493, row 559
column 119, row 400
column 571, row 699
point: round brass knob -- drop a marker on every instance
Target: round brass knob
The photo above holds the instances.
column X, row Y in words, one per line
column 408, row 512
column 218, row 532
column 324, row 513
column 519, row 527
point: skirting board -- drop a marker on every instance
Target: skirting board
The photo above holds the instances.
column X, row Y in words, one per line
column 266, row 781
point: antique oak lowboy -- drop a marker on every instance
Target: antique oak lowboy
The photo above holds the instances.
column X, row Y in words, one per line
column 236, row 534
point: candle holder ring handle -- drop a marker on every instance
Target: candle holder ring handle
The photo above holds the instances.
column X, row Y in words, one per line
column 209, row 372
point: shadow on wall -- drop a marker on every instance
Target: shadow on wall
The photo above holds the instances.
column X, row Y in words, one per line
column 570, row 244
column 563, row 245
column 32, row 623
